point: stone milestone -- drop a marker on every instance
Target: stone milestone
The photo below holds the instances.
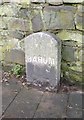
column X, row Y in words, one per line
column 43, row 56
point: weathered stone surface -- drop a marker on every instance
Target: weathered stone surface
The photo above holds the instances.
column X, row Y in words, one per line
column 11, row 34
column 79, row 22
column 74, row 66
column 37, row 24
column 77, row 66
column 72, row 35
column 0, row 52
column 9, row 43
column 75, row 105
column 2, row 24
column 16, row 34
column 24, row 13
column 9, row 92
column 81, row 55
column 56, row 17
column 68, row 53
column 42, row 54
column 25, row 104
column 38, row 1
column 18, row 24
column 16, row 1
column 15, row 56
column 79, row 17
column 80, row 10
column 25, row 1
column 52, row 106
column 73, row 1
column 55, row 2
column 74, row 76
column 9, row 10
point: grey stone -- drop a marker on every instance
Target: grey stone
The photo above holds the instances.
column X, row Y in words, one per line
column 68, row 53
column 73, row 1
column 80, row 10
column 75, row 100
column 37, row 24
column 11, row 34
column 3, row 24
column 43, row 55
column 72, row 36
column 56, row 17
column 38, row 1
column 74, row 109
column 15, row 56
column 52, row 106
column 10, row 10
column 18, row 24
column 25, row 104
column 24, row 13
column 55, row 2
column 16, row 34
column 9, row 92
column 75, row 113
column 0, row 52
column 79, row 22
column 13, row 1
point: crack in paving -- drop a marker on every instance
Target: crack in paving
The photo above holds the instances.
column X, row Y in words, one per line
column 67, row 104
column 38, row 105
column 11, row 102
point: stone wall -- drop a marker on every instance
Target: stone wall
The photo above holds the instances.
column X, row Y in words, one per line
column 19, row 18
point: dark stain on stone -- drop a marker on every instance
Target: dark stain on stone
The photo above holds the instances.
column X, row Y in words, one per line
column 37, row 72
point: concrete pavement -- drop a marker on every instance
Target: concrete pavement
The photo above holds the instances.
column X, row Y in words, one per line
column 21, row 102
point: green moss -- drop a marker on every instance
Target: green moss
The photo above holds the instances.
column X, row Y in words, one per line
column 71, row 35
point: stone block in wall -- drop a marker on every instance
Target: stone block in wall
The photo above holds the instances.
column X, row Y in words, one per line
column 34, row 15
column 12, row 1
column 79, row 18
column 74, row 76
column 61, row 17
column 76, row 36
column 68, row 53
column 12, row 34
column 9, row 43
column 73, row 66
column 79, row 23
column 72, row 71
column 17, row 34
column 25, row 1
column 24, row 13
column 73, row 1
column 80, row 10
column 55, row 2
column 1, row 53
column 3, row 24
column 77, row 66
column 18, row 24
column 38, row 1
column 9, row 10
column 37, row 24
column 81, row 55
column 15, row 56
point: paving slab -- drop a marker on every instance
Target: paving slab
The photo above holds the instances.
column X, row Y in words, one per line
column 52, row 106
column 9, row 90
column 74, row 108
column 25, row 104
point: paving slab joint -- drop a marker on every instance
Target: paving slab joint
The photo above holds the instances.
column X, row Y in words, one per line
column 38, row 105
column 11, row 102
column 67, row 104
